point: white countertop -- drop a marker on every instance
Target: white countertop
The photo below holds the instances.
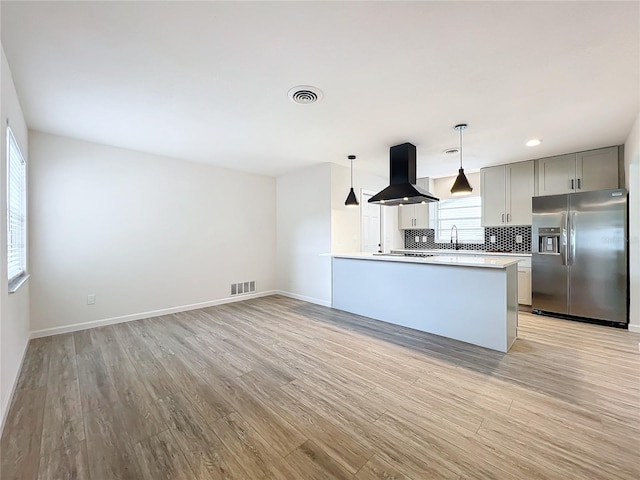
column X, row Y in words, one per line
column 460, row 260
column 461, row 252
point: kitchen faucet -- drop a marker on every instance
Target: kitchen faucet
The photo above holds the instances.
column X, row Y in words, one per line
column 457, row 246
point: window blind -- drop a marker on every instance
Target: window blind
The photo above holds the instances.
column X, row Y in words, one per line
column 16, row 210
column 465, row 213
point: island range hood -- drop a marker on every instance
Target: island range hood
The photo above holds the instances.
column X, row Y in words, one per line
column 402, row 176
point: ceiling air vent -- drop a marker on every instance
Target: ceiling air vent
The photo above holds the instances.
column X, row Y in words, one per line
column 305, row 94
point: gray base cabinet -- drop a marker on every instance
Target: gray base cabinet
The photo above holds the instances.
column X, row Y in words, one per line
column 524, row 285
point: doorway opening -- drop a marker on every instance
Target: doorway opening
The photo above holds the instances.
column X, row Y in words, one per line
column 371, row 224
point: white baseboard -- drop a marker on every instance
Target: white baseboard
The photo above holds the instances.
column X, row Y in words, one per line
column 634, row 328
column 46, row 332
column 317, row 301
column 5, row 408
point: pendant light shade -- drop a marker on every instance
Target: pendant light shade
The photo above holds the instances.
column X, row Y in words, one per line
column 461, row 186
column 352, row 200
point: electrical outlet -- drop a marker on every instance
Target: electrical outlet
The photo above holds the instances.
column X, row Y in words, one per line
column 417, row 238
column 492, row 239
column 91, row 299
column 518, row 238
column 424, row 239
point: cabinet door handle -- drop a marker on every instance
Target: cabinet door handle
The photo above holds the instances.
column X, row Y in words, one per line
column 572, row 184
column 579, row 187
column 503, row 218
column 508, row 217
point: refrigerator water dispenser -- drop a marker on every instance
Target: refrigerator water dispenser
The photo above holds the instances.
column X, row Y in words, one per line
column 549, row 240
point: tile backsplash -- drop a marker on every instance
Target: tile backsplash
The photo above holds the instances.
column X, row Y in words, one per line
column 505, row 240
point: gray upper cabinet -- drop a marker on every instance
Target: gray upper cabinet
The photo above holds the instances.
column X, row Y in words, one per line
column 597, row 169
column 492, row 189
column 412, row 217
column 578, row 172
column 506, row 194
column 520, row 190
column 556, row 175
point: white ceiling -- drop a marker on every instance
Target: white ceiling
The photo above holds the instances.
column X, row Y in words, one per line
column 208, row 81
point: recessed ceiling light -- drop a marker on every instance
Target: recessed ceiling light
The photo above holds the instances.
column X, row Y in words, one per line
column 534, row 142
column 305, row 94
column 451, row 151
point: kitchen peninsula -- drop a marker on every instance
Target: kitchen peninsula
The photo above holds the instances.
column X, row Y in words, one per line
column 472, row 299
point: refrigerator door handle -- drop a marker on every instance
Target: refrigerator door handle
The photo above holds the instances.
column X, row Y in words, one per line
column 572, row 238
column 563, row 239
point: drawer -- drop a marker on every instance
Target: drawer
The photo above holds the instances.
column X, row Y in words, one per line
column 525, row 262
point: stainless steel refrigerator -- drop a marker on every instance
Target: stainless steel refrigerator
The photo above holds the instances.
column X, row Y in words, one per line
column 579, row 255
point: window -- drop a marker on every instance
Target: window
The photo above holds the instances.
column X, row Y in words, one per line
column 16, row 212
column 463, row 212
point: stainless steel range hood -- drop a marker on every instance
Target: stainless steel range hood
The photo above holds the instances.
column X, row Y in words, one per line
column 402, row 177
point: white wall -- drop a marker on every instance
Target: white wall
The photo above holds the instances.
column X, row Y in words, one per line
column 304, row 234
column 143, row 233
column 14, row 308
column 632, row 176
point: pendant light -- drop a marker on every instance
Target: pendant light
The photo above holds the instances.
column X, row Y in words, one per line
column 461, row 186
column 351, row 200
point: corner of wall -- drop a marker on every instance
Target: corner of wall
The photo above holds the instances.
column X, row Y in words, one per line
column 303, row 223
column 632, row 180
column 14, row 308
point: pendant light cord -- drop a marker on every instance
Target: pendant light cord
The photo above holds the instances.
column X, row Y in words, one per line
column 351, row 159
column 460, row 147
column 351, row 172
column 460, row 127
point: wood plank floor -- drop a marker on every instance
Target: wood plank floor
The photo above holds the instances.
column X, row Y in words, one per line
column 275, row 388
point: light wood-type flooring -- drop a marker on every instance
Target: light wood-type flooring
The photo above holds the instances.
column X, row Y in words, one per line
column 275, row 388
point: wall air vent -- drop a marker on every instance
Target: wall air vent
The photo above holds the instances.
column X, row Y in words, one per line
column 305, row 94
column 242, row 288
